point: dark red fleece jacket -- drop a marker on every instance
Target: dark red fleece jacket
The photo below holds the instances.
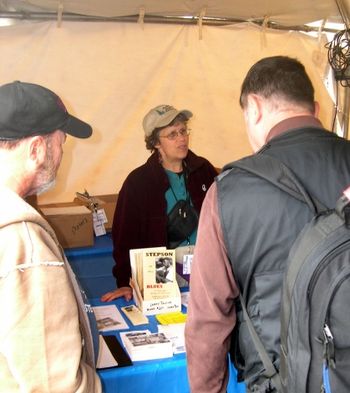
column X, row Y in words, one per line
column 140, row 217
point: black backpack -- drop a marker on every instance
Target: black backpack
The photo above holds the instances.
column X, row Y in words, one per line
column 315, row 302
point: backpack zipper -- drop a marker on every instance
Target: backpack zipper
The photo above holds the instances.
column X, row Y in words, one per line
column 323, row 264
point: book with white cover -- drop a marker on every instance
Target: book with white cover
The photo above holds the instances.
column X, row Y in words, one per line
column 154, row 280
column 143, row 345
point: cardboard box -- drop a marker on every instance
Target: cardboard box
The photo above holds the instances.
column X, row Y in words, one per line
column 72, row 223
column 106, row 202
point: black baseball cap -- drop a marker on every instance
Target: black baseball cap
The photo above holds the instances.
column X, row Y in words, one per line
column 28, row 109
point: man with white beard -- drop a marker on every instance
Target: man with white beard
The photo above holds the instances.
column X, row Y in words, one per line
column 48, row 336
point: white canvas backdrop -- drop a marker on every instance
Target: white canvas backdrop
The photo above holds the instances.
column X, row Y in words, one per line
column 111, row 74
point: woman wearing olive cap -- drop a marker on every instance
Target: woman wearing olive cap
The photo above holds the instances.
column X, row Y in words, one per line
column 172, row 172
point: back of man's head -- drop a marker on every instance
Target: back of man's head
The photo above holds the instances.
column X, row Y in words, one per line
column 279, row 77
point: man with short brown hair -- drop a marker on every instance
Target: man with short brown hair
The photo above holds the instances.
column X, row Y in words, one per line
column 247, row 227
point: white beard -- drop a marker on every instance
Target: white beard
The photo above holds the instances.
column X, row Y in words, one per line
column 45, row 187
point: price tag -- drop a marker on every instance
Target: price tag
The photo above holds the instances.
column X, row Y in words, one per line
column 98, row 223
column 187, row 263
column 102, row 215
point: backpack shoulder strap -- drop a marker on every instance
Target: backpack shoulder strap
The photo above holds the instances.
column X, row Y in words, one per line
column 279, row 175
column 270, row 370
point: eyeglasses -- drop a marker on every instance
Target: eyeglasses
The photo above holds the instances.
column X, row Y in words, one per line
column 174, row 134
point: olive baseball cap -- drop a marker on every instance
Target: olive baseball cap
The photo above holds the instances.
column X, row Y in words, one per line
column 161, row 116
column 28, row 109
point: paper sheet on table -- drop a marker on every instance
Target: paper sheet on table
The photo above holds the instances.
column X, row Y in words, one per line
column 171, row 317
column 176, row 334
column 109, row 318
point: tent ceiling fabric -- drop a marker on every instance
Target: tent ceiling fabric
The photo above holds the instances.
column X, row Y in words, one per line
column 296, row 12
column 111, row 74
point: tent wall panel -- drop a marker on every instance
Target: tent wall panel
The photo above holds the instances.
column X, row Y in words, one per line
column 111, row 74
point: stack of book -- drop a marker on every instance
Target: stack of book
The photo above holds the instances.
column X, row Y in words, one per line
column 143, row 345
column 153, row 280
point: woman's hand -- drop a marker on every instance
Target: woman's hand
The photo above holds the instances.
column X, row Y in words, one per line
column 119, row 292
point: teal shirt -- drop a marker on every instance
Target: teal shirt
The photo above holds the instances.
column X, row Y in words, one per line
column 177, row 182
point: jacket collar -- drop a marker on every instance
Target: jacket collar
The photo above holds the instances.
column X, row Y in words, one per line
column 192, row 162
column 292, row 124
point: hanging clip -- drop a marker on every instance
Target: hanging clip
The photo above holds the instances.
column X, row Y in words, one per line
column 265, row 21
column 90, row 201
column 320, row 29
column 59, row 13
column 317, row 55
column 200, row 22
column 263, row 30
column 141, row 17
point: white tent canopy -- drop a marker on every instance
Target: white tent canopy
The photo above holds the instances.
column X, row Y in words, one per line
column 111, row 74
column 296, row 12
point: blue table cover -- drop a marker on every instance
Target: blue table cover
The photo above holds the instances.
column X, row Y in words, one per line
column 152, row 376
column 93, row 268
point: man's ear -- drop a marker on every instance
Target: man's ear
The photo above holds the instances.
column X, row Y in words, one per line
column 254, row 109
column 37, row 150
column 317, row 109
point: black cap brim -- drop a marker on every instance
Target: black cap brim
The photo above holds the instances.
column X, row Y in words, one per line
column 77, row 127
